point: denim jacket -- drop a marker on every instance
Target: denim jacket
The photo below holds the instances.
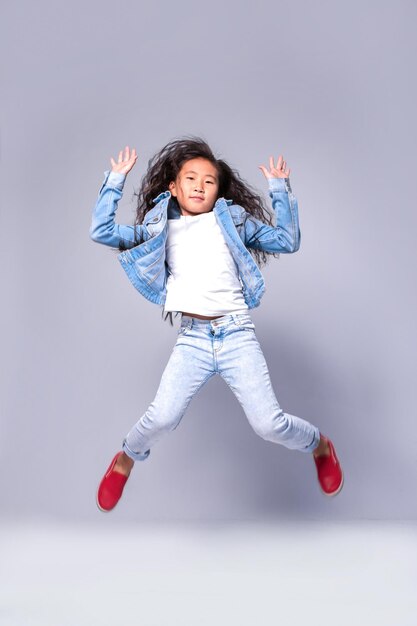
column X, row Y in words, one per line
column 145, row 262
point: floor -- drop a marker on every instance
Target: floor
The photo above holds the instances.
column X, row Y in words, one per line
column 361, row 573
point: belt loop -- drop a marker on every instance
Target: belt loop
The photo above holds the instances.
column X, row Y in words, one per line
column 236, row 319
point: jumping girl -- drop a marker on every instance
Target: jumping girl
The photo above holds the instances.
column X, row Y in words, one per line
column 199, row 229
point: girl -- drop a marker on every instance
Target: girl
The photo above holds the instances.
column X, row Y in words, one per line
column 198, row 229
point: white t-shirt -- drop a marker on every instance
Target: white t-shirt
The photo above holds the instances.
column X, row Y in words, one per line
column 203, row 275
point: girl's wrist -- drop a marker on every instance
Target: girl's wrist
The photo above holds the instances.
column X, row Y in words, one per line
column 118, row 173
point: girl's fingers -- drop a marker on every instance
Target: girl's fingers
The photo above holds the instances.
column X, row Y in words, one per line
column 280, row 163
column 264, row 171
column 126, row 160
column 278, row 170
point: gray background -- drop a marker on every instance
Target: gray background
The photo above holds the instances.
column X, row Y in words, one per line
column 331, row 87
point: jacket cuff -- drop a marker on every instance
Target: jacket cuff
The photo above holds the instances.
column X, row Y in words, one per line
column 114, row 179
column 279, row 184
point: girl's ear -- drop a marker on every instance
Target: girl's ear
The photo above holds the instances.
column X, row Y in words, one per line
column 171, row 187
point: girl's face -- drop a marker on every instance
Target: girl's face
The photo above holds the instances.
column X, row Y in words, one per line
column 196, row 186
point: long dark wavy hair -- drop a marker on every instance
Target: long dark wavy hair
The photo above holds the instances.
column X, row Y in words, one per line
column 164, row 167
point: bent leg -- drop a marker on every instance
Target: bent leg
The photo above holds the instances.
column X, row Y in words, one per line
column 185, row 373
column 243, row 366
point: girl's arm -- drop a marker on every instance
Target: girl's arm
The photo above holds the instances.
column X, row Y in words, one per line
column 103, row 228
column 285, row 236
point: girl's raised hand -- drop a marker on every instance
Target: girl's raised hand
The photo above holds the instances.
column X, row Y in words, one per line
column 278, row 171
column 124, row 163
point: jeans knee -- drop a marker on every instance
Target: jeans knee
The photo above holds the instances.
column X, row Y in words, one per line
column 161, row 423
column 274, row 427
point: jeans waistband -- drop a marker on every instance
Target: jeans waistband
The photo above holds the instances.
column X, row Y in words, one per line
column 237, row 318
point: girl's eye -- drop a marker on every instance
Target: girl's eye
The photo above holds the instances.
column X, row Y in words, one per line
column 207, row 181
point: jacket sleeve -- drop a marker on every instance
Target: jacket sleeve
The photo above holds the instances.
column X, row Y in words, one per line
column 285, row 235
column 103, row 228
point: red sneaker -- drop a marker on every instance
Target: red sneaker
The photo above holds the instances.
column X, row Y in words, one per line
column 329, row 471
column 111, row 487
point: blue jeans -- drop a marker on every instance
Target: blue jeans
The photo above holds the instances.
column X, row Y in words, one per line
column 227, row 346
